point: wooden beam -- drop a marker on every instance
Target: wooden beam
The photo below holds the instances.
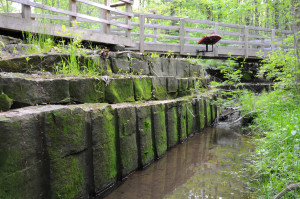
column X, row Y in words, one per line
column 117, row 4
column 26, row 11
column 182, row 35
column 246, row 38
column 127, row 1
column 128, row 19
column 142, row 31
column 72, row 8
column 216, row 31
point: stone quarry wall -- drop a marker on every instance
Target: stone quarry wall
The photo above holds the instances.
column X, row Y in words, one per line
column 73, row 151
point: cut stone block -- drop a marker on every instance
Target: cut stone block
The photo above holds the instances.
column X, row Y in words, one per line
column 145, row 144
column 102, row 63
column 202, row 112
column 126, row 132
column 191, row 117
column 183, row 84
column 30, row 91
column 182, row 120
column 208, row 112
column 103, row 127
column 167, row 68
column 195, row 70
column 142, row 88
column 23, row 172
column 156, row 67
column 172, row 86
column 120, row 62
column 87, row 90
column 171, row 123
column 159, row 129
column 140, row 64
column 66, row 142
column 159, row 85
column 119, row 90
column 182, row 67
column 5, row 102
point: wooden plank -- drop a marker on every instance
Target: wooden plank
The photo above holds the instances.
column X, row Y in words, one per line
column 215, row 47
column 164, row 27
column 223, row 32
column 198, row 21
column 127, row 1
column 256, row 36
column 74, row 14
column 153, row 16
column 19, row 24
column 142, row 32
column 106, row 7
column 182, row 34
column 199, row 30
column 117, row 4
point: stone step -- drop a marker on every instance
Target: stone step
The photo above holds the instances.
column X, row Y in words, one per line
column 106, row 63
column 21, row 90
column 75, row 151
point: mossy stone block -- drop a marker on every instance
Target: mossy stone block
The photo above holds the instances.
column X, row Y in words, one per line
column 208, row 112
column 183, row 84
column 156, row 67
column 182, row 120
column 35, row 91
column 119, row 90
column 87, row 90
column 101, row 63
column 145, row 143
column 159, row 129
column 172, row 87
column 172, row 124
column 202, row 114
column 159, row 86
column 120, row 62
column 191, row 117
column 5, row 102
column 142, row 88
column 104, row 147
column 139, row 64
column 66, row 142
column 23, row 171
column 128, row 150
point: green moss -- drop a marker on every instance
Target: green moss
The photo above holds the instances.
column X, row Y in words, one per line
column 5, row 102
column 159, row 129
column 190, row 119
column 183, row 84
column 182, row 116
column 67, row 177
column 172, row 121
column 119, row 90
column 202, row 113
column 208, row 112
column 142, row 89
column 160, row 92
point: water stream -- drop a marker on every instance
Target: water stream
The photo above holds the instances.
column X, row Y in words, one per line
column 207, row 165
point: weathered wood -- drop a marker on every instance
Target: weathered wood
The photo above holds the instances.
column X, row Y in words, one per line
column 164, row 27
column 216, row 31
column 127, row 1
column 128, row 19
column 106, row 7
column 74, row 14
column 273, row 39
column 246, row 38
column 106, row 16
column 142, row 32
column 199, row 30
column 117, row 4
column 26, row 11
column 182, row 35
column 72, row 8
column 19, row 24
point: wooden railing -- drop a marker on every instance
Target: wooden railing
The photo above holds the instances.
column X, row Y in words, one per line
column 106, row 10
column 180, row 36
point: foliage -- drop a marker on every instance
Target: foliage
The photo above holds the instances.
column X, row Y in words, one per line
column 276, row 161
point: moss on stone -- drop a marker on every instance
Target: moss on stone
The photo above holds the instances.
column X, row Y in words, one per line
column 172, row 123
column 159, row 129
column 142, row 89
column 104, row 147
column 5, row 102
column 202, row 112
column 183, row 84
column 182, row 120
column 119, row 90
column 191, row 119
column 145, row 134
column 160, row 92
column 208, row 112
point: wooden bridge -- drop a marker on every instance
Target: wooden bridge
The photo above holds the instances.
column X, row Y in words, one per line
column 146, row 32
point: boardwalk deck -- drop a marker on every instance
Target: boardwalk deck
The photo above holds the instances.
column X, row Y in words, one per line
column 149, row 32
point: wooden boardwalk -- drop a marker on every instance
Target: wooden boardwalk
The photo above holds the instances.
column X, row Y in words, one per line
column 149, row 32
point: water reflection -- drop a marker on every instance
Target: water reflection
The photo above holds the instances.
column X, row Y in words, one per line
column 209, row 165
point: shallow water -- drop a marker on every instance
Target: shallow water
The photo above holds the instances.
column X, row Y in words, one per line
column 207, row 165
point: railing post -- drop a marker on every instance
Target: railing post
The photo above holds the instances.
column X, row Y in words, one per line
column 26, row 11
column 128, row 19
column 182, row 35
column 187, row 34
column 155, row 33
column 246, row 36
column 142, row 30
column 273, row 39
column 106, row 16
column 72, row 8
column 216, row 48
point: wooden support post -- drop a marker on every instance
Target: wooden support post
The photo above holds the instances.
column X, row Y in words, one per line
column 273, row 39
column 246, row 37
column 187, row 34
column 216, row 48
column 105, row 14
column 128, row 19
column 182, row 35
column 26, row 11
column 72, row 8
column 142, row 30
column 155, row 34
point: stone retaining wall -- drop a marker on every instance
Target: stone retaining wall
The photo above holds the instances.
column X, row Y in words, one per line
column 20, row 90
column 75, row 151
